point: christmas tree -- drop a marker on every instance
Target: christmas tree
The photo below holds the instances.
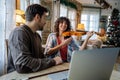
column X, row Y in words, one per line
column 113, row 29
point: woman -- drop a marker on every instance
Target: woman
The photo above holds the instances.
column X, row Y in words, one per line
column 58, row 45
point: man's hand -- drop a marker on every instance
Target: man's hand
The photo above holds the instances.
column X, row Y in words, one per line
column 58, row 60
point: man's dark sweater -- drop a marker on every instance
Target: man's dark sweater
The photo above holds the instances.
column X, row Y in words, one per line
column 25, row 53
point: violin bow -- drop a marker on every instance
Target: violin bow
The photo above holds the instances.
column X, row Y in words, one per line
column 81, row 31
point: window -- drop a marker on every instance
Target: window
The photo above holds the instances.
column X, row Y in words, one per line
column 70, row 13
column 63, row 10
column 25, row 3
column 72, row 17
column 34, row 1
column 90, row 18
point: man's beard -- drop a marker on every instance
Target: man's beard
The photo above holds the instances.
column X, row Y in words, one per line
column 40, row 28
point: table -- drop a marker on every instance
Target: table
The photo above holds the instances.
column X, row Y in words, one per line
column 17, row 76
column 65, row 66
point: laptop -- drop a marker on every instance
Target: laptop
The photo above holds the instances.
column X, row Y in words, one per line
column 95, row 64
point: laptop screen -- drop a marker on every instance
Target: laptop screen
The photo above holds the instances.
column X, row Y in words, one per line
column 96, row 64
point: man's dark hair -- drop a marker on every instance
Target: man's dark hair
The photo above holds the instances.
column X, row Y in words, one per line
column 34, row 9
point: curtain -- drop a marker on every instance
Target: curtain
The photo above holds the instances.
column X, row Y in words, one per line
column 72, row 17
column 63, row 11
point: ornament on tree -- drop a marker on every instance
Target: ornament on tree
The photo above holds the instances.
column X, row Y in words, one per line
column 115, row 22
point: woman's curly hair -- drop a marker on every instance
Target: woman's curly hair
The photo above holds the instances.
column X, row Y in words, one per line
column 61, row 20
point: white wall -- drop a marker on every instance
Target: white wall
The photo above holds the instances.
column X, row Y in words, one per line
column 114, row 3
column 7, row 23
column 2, row 25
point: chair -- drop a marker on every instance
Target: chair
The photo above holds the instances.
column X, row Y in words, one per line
column 5, row 56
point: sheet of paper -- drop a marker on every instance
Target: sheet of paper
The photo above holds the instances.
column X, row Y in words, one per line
column 58, row 76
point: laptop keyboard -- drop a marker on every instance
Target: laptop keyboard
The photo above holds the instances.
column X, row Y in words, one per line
column 64, row 79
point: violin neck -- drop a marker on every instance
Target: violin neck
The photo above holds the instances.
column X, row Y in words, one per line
column 81, row 31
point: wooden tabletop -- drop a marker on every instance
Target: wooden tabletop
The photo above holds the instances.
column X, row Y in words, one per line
column 17, row 76
column 43, row 75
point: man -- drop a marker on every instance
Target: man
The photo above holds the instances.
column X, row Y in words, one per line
column 25, row 50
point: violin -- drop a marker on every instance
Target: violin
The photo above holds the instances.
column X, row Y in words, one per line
column 76, row 33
